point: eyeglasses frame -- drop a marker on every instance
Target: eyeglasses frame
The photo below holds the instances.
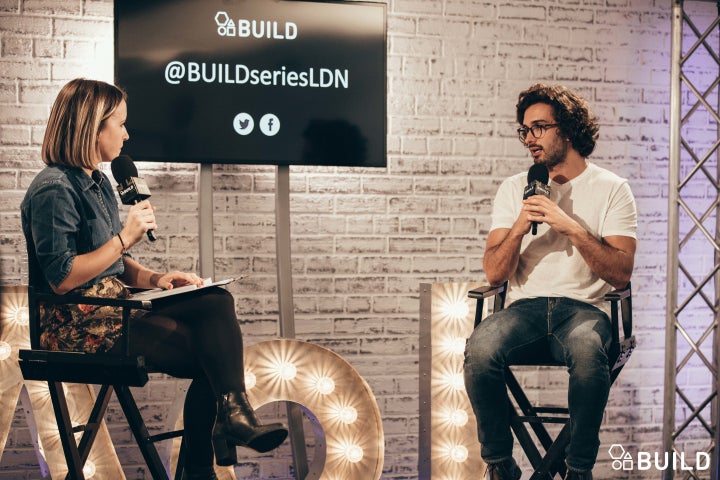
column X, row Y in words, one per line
column 531, row 129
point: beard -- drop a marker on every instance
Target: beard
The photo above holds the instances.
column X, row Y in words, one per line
column 554, row 154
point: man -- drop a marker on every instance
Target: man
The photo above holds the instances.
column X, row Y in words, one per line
column 584, row 248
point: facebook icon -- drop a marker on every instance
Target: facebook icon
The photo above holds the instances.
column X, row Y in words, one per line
column 269, row 124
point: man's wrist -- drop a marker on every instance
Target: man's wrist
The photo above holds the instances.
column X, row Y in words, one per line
column 579, row 235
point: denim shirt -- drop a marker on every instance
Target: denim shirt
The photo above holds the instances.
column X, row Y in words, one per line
column 66, row 213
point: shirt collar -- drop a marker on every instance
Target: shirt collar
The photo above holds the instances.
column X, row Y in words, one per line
column 84, row 181
column 97, row 177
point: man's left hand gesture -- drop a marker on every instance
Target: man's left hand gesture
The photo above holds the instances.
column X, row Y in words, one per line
column 541, row 209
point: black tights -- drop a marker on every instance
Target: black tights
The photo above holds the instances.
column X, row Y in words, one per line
column 198, row 337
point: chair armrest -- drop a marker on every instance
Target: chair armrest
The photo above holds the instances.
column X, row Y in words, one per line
column 623, row 298
column 85, row 300
column 618, row 294
column 487, row 291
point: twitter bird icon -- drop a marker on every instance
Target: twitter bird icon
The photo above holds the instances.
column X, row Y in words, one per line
column 243, row 123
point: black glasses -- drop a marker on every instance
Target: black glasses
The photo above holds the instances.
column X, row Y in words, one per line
column 537, row 130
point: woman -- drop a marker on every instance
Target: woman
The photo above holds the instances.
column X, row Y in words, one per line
column 77, row 243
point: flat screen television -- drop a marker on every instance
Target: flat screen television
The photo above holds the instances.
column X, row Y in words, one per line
column 278, row 82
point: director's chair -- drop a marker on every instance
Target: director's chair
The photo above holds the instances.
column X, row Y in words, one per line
column 114, row 373
column 536, row 416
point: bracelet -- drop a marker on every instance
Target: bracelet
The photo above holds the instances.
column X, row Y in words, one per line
column 124, row 250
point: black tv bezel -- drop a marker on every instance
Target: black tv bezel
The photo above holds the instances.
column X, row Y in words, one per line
column 251, row 161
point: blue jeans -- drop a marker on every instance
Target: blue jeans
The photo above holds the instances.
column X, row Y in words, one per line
column 573, row 332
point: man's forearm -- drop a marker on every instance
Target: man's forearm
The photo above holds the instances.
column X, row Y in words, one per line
column 611, row 262
column 502, row 255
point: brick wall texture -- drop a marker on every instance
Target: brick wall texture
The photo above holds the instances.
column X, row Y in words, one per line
column 364, row 239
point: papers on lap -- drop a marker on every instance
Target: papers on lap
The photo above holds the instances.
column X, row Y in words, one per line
column 162, row 293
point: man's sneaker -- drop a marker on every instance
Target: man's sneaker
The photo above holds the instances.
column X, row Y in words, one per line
column 572, row 475
column 505, row 470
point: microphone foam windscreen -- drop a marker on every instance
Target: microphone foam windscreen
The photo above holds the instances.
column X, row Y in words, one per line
column 538, row 172
column 123, row 168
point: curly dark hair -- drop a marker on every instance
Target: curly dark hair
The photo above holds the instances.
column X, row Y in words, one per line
column 572, row 113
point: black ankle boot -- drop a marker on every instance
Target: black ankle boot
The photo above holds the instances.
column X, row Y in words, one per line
column 572, row 475
column 238, row 425
column 225, row 452
column 206, row 473
column 505, row 470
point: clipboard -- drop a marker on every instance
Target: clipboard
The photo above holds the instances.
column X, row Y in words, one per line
column 157, row 293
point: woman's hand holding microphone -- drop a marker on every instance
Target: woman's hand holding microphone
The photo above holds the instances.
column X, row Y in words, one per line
column 140, row 219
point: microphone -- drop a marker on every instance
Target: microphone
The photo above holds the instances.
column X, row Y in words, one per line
column 131, row 188
column 537, row 178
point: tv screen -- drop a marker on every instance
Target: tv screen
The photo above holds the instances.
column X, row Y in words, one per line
column 253, row 81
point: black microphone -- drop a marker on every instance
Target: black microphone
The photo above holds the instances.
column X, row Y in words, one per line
column 537, row 178
column 131, row 188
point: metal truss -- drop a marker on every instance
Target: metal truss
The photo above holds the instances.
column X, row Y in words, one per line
column 690, row 418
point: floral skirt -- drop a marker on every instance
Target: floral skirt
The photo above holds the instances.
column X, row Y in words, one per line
column 81, row 327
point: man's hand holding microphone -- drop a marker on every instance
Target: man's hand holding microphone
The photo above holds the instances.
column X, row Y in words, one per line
column 537, row 188
column 540, row 209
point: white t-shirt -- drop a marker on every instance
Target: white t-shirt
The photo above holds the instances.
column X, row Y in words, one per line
column 550, row 266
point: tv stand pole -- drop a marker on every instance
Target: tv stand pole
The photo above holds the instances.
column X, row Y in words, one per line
column 205, row 218
column 286, row 306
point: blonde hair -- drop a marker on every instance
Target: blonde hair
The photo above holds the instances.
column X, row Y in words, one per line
column 76, row 118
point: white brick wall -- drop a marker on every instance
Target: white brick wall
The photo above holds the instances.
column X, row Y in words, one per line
column 363, row 239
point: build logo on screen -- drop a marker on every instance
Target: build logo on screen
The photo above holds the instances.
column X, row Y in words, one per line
column 254, row 28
